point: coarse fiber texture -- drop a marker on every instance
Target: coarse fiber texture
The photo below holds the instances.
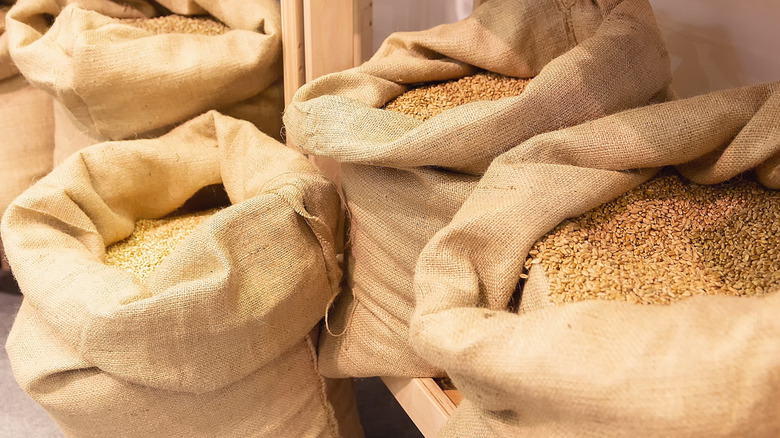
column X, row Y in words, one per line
column 702, row 367
column 217, row 341
column 26, row 137
column 26, row 128
column 120, row 81
column 403, row 178
column 7, row 67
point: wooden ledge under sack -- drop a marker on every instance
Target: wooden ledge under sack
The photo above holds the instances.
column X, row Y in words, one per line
column 425, row 400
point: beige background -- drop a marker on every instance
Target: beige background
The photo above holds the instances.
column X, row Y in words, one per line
column 714, row 44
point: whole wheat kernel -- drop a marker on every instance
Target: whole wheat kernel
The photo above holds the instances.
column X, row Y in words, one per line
column 431, row 99
column 667, row 240
column 152, row 241
column 179, row 24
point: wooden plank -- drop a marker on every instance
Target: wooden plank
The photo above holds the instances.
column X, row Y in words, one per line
column 454, row 395
column 362, row 47
column 328, row 36
column 424, row 402
column 328, row 48
column 293, row 53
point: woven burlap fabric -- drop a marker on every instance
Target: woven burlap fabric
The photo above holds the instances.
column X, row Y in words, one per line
column 26, row 124
column 216, row 342
column 27, row 140
column 70, row 135
column 121, row 81
column 706, row 366
column 7, row 67
column 403, row 178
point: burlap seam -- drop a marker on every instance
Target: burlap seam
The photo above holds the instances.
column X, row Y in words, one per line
column 76, row 94
column 313, row 223
column 24, row 207
column 329, row 411
column 565, row 9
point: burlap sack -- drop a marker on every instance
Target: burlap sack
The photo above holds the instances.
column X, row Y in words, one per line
column 120, row 81
column 26, row 127
column 217, row 341
column 706, row 366
column 403, row 179
column 7, row 67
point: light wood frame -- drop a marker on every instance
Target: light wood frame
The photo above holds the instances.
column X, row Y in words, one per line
column 424, row 401
column 321, row 37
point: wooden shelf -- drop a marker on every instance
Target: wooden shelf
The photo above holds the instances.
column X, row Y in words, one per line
column 424, row 401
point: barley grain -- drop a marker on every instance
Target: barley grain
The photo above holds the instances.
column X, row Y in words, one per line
column 179, row 24
column 152, row 241
column 667, row 240
column 429, row 100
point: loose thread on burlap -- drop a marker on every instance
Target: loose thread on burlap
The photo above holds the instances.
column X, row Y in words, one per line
column 305, row 215
column 347, row 243
column 349, row 318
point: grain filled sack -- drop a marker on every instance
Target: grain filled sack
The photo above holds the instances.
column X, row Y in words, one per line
column 26, row 124
column 404, row 178
column 133, row 70
column 702, row 366
column 216, row 341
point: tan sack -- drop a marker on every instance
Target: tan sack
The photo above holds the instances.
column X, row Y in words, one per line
column 216, row 342
column 121, row 81
column 702, row 367
column 403, row 178
column 26, row 129
column 7, row 67
column 70, row 135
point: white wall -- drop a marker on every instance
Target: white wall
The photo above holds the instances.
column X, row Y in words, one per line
column 713, row 44
column 717, row 44
column 405, row 15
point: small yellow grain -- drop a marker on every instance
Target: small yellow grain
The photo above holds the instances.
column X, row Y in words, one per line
column 667, row 240
column 428, row 100
column 200, row 25
column 152, row 241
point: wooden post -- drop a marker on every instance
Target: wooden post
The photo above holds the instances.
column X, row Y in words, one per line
column 320, row 37
column 362, row 47
column 424, row 402
column 292, row 47
column 328, row 38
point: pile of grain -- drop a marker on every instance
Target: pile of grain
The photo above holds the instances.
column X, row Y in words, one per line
column 666, row 240
column 152, row 241
column 429, row 100
column 179, row 24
